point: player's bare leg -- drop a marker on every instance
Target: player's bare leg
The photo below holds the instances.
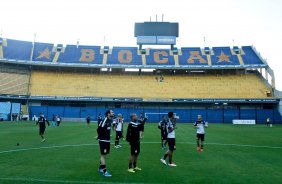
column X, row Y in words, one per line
column 131, row 160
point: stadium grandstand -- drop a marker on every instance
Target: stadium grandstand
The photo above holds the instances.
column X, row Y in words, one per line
column 222, row 83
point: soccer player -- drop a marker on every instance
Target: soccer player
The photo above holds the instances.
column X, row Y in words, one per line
column 88, row 120
column 200, row 125
column 141, row 118
column 99, row 118
column 171, row 126
column 114, row 121
column 119, row 126
column 54, row 121
column 133, row 137
column 162, row 127
column 104, row 136
column 268, row 121
column 42, row 126
column 58, row 120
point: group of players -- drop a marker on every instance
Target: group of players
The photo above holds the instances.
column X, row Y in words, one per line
column 134, row 133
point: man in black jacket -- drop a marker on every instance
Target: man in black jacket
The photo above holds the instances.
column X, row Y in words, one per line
column 104, row 136
column 42, row 126
column 133, row 137
column 162, row 127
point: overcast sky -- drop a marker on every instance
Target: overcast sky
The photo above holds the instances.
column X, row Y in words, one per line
column 111, row 22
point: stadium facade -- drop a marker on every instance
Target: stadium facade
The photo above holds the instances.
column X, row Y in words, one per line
column 74, row 81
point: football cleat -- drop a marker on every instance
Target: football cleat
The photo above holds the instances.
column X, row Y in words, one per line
column 100, row 170
column 137, row 169
column 172, row 165
column 163, row 161
column 131, row 170
column 198, row 148
column 107, row 174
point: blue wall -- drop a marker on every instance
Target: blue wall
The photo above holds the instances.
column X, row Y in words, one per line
column 186, row 115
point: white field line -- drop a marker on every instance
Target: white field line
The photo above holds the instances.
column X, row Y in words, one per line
column 80, row 145
column 58, row 181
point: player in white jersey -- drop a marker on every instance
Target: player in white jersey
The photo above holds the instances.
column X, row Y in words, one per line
column 119, row 127
column 200, row 125
column 171, row 126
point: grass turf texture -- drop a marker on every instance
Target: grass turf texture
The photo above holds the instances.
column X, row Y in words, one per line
column 71, row 155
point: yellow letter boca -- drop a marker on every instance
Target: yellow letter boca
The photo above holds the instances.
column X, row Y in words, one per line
column 87, row 55
column 158, row 55
column 125, row 56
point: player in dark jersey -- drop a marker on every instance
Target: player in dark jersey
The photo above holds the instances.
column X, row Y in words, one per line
column 142, row 127
column 42, row 126
column 104, row 136
column 162, row 127
column 88, row 118
column 133, row 137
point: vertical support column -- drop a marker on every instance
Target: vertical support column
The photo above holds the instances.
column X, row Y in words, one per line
column 266, row 74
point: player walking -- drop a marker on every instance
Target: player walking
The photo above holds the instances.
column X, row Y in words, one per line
column 104, row 136
column 162, row 127
column 171, row 126
column 133, row 137
column 42, row 126
column 200, row 125
column 119, row 127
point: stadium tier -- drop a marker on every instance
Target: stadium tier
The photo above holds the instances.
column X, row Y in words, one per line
column 14, row 81
column 147, row 86
column 74, row 81
column 119, row 56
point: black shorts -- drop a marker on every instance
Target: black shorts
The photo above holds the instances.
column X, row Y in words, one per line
column 88, row 122
column 104, row 147
column 118, row 135
column 135, row 148
column 171, row 144
column 142, row 128
column 201, row 137
column 163, row 135
column 41, row 130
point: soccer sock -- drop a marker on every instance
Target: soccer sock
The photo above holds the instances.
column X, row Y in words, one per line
column 116, row 142
column 165, row 156
column 104, row 169
column 170, row 160
column 134, row 164
column 202, row 145
column 198, row 142
column 129, row 165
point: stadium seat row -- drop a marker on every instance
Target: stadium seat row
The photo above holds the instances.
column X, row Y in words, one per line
column 186, row 56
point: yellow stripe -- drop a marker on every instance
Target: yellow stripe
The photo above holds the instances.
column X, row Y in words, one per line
column 240, row 59
column 143, row 59
column 176, row 60
column 209, row 60
column 55, row 59
column 105, row 57
column 1, row 52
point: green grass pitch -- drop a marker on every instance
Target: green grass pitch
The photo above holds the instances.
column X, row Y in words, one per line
column 233, row 154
